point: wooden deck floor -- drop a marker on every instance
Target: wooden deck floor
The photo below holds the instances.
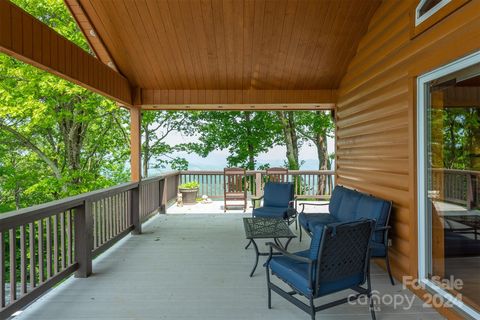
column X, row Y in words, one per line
column 191, row 267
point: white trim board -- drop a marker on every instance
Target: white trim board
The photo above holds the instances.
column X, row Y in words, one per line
column 424, row 232
column 419, row 19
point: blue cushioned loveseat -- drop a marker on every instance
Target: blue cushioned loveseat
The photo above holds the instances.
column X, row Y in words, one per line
column 349, row 205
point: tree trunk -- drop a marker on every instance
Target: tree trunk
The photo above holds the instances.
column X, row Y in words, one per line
column 291, row 141
column 322, row 153
column 73, row 133
column 250, row 147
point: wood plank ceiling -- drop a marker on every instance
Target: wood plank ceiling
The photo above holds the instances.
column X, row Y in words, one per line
column 229, row 44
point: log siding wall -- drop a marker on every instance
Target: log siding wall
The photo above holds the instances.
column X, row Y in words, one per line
column 376, row 110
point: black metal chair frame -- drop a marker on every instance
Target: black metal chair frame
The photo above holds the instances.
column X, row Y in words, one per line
column 311, row 308
column 386, row 229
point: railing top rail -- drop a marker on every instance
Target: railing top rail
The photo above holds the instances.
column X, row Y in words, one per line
column 26, row 215
column 250, row 172
column 160, row 177
column 459, row 171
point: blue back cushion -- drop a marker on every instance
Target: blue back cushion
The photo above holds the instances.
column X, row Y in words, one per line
column 376, row 209
column 335, row 199
column 348, row 205
column 316, row 241
column 278, row 194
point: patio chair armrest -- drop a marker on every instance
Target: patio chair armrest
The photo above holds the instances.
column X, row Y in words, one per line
column 385, row 235
column 286, row 253
column 383, row 228
column 257, row 198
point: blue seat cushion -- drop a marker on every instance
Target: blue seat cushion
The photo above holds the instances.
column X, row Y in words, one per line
column 327, row 287
column 278, row 194
column 270, row 212
column 370, row 207
column 377, row 250
column 348, row 205
column 293, row 272
column 335, row 199
column 310, row 220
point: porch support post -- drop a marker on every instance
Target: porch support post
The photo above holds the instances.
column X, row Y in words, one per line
column 84, row 239
column 135, row 144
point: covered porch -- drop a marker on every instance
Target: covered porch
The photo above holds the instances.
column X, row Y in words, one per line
column 359, row 59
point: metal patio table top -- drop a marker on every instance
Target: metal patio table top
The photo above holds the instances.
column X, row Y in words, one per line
column 266, row 228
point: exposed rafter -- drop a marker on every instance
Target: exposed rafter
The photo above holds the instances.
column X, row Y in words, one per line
column 27, row 39
column 94, row 40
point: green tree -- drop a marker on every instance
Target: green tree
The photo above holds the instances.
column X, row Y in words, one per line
column 315, row 127
column 244, row 134
column 57, row 139
column 290, row 138
column 156, row 126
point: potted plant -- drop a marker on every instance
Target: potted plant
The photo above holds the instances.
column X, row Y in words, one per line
column 189, row 192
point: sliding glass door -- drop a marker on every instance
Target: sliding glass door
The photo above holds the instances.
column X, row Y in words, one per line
column 449, row 183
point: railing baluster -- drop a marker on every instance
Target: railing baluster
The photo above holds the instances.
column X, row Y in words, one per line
column 69, row 237
column 62, row 239
column 2, row 270
column 117, row 214
column 95, row 224
column 110, row 218
column 31, row 245
column 41, row 277
column 124, row 207
column 55, row 244
column 104, row 222
column 23, row 261
column 49, row 248
column 107, row 220
column 13, row 264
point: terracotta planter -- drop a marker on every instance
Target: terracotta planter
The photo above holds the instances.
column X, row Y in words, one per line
column 189, row 196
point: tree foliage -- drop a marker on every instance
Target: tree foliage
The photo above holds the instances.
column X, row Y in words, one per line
column 244, row 134
column 156, row 151
column 57, row 139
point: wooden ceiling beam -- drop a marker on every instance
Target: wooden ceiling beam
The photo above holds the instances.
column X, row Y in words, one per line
column 27, row 39
column 93, row 38
column 237, row 99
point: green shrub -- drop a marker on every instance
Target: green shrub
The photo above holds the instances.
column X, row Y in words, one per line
column 190, row 185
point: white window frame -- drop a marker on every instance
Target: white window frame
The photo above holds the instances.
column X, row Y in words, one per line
column 419, row 19
column 424, row 223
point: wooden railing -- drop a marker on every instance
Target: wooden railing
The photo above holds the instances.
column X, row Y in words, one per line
column 457, row 186
column 42, row 245
column 311, row 184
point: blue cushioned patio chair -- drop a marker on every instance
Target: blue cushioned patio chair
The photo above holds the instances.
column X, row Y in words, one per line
column 338, row 259
column 278, row 202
